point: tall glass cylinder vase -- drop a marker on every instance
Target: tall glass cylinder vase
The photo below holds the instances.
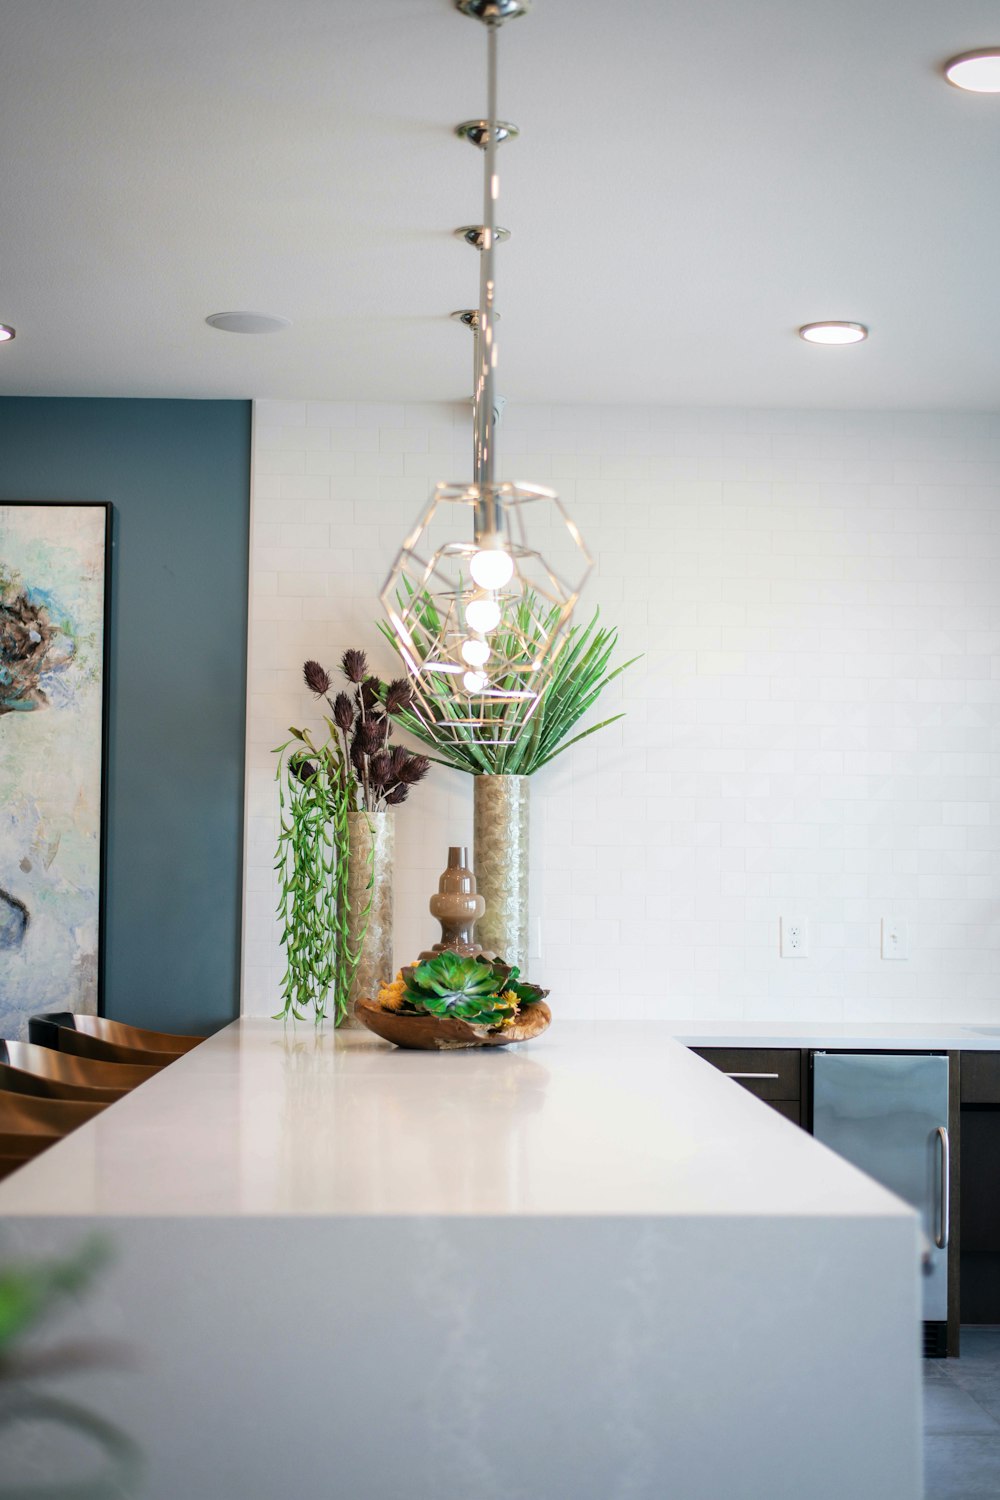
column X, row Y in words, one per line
column 501, row 864
column 369, row 904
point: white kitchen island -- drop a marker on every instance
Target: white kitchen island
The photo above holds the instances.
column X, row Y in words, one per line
column 589, row 1268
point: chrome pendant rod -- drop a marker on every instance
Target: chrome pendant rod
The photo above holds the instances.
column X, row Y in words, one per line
column 484, row 454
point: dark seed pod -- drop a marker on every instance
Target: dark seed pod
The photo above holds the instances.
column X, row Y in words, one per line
column 354, row 666
column 304, row 769
column 414, row 769
column 371, row 695
column 397, row 795
column 343, row 712
column 398, row 695
column 380, row 770
column 317, row 678
column 372, row 734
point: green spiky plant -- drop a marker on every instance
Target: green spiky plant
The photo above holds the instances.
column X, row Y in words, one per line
column 485, row 992
column 527, row 739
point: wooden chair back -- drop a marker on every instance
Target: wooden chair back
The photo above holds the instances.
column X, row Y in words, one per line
column 47, row 1119
column 49, row 1031
column 121, row 1035
column 15, row 1150
column 69, row 1072
column 17, row 1081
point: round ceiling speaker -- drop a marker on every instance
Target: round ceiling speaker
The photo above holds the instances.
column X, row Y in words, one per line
column 247, row 322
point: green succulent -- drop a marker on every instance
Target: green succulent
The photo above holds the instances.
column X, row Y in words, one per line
column 508, row 978
column 449, row 985
column 470, row 989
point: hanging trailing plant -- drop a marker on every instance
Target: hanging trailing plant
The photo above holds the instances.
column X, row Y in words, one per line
column 355, row 769
column 314, row 798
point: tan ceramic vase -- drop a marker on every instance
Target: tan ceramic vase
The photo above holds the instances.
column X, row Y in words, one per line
column 500, row 856
column 458, row 907
column 369, row 874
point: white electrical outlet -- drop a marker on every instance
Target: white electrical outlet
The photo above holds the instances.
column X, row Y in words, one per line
column 895, row 939
column 794, row 937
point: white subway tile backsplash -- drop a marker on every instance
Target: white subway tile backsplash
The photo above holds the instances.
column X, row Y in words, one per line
column 814, row 724
column 279, row 414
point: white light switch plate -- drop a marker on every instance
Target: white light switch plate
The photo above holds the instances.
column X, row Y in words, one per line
column 895, row 939
column 794, row 937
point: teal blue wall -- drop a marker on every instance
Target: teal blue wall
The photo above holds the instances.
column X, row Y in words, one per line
column 178, row 476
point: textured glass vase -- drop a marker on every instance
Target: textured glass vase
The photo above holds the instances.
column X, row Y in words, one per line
column 369, row 874
column 501, row 863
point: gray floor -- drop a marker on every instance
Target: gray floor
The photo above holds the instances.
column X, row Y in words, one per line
column 962, row 1420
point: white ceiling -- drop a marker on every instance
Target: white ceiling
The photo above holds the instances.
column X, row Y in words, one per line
column 694, row 179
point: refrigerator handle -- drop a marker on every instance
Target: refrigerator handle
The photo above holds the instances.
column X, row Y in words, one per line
column 944, row 1216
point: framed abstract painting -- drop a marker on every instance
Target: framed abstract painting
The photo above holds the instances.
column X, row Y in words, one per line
column 54, row 595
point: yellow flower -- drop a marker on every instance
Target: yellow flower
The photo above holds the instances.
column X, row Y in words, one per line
column 390, row 996
column 509, row 999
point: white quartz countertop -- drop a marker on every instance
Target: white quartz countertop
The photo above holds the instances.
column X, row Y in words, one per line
column 879, row 1036
column 589, row 1119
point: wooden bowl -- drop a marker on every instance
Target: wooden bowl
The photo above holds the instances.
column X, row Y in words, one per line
column 446, row 1033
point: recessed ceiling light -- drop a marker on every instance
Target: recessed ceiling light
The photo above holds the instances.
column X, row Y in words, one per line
column 978, row 72
column 6, row 333
column 833, row 333
column 247, row 322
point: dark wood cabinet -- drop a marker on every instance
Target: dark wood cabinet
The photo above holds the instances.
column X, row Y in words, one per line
column 980, row 1208
column 773, row 1074
column 981, row 1078
column 790, row 1108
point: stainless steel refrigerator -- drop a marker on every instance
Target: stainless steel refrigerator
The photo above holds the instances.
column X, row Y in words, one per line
column 888, row 1114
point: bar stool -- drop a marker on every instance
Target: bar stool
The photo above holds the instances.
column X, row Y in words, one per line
column 69, row 1077
column 16, row 1081
column 29, row 1126
column 15, row 1150
column 108, row 1041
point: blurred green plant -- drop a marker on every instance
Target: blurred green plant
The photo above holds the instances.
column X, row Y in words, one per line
column 30, row 1292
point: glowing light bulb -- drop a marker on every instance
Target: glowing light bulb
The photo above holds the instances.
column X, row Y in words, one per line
column 482, row 615
column 979, row 72
column 833, row 333
column 474, row 682
column 492, row 567
column 475, row 652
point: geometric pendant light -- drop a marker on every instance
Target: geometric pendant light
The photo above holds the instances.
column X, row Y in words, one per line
column 482, row 590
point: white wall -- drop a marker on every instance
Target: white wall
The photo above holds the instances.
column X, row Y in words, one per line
column 813, row 730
